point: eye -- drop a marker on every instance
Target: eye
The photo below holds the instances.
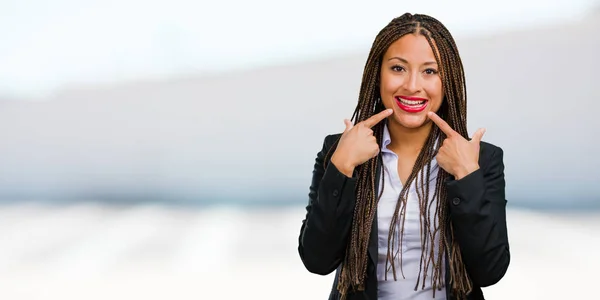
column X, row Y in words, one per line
column 397, row 68
column 431, row 71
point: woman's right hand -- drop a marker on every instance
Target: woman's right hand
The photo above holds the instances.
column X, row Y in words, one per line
column 357, row 144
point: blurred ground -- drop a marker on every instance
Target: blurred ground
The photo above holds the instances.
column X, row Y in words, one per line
column 90, row 251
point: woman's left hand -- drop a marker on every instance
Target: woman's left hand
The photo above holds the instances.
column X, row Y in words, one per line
column 457, row 155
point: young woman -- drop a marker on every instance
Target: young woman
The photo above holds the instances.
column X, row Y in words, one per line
column 403, row 204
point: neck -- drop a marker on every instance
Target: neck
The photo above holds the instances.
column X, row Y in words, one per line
column 407, row 140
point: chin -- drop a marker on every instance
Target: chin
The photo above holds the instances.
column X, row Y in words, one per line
column 411, row 121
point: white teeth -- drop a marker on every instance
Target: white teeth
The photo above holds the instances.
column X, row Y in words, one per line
column 411, row 102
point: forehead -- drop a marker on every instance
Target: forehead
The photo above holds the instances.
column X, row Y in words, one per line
column 412, row 47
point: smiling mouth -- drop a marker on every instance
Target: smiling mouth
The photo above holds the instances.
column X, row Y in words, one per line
column 411, row 104
column 411, row 101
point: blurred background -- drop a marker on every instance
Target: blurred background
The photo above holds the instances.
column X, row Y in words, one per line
column 125, row 126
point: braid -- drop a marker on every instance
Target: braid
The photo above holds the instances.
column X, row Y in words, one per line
column 453, row 111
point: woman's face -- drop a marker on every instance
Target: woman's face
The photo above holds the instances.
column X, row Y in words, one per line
column 409, row 82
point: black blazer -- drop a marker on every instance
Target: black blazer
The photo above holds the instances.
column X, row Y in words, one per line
column 477, row 207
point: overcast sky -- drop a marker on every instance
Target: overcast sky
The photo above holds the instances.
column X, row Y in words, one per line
column 47, row 44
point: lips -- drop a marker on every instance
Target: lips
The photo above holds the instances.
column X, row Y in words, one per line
column 411, row 104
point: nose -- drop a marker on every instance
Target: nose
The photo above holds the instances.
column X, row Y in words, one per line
column 412, row 83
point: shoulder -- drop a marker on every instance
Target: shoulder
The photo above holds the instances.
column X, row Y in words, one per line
column 331, row 139
column 490, row 153
column 329, row 142
column 489, row 149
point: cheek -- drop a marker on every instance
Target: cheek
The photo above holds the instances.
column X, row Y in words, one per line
column 435, row 92
column 387, row 88
column 389, row 84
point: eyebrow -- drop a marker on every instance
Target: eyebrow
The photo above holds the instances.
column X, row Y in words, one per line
column 406, row 62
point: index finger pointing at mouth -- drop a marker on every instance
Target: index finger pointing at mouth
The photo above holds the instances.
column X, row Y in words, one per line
column 373, row 120
column 441, row 124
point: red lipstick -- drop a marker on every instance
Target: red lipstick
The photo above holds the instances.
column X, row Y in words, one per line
column 411, row 104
